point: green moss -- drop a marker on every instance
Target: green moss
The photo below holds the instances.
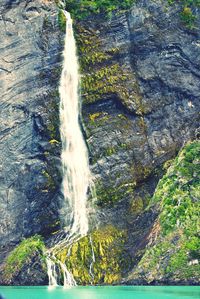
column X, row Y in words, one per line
column 136, row 205
column 169, row 258
column 52, row 134
column 175, row 242
column 52, row 110
column 119, row 121
column 141, row 171
column 178, row 190
column 103, row 76
column 103, row 81
column 111, row 258
column 108, row 196
column 61, row 20
column 50, row 184
column 98, row 118
column 110, row 151
column 23, row 254
column 188, row 17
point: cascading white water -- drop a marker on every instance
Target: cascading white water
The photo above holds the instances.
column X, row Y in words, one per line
column 51, row 266
column 76, row 173
column 74, row 156
column 93, row 260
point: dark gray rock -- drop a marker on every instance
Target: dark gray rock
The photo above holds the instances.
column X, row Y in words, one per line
column 29, row 74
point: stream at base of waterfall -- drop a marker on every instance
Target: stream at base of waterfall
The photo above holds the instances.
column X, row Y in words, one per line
column 74, row 156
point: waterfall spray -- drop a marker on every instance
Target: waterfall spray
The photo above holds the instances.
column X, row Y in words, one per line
column 74, row 156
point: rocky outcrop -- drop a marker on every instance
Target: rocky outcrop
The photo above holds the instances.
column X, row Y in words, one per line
column 172, row 253
column 29, row 73
column 25, row 264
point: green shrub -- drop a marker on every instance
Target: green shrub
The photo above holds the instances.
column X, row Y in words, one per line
column 187, row 17
column 61, row 20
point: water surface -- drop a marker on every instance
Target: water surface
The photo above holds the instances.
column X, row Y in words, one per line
column 118, row 292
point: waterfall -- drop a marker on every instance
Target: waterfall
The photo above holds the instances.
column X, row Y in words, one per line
column 76, row 173
column 51, row 267
column 74, row 156
column 93, row 260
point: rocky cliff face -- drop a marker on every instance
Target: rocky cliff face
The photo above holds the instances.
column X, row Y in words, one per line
column 140, row 90
column 141, row 102
column 29, row 73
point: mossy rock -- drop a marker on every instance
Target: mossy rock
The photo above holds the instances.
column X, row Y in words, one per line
column 173, row 251
column 136, row 205
column 102, row 75
column 51, row 133
column 109, row 196
column 110, row 257
column 22, row 256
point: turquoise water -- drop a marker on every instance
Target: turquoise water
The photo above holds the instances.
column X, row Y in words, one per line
column 118, row 292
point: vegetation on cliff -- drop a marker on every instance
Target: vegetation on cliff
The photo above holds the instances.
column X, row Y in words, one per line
column 188, row 14
column 173, row 252
column 82, row 8
column 103, row 75
column 99, row 258
column 23, row 255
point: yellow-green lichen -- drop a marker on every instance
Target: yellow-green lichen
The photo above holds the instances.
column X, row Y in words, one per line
column 103, row 75
column 98, row 118
column 136, row 205
column 111, row 259
column 108, row 196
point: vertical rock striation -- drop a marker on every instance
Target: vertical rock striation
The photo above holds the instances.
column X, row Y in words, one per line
column 29, row 73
